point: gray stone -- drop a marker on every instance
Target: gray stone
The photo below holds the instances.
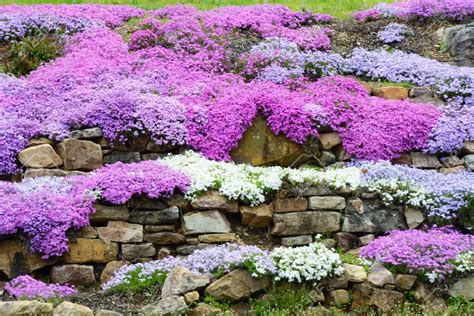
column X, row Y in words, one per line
column 132, row 252
column 236, row 285
column 380, row 276
column 143, row 204
column 80, row 154
column 296, row 240
column 165, row 238
column 189, row 249
column 85, row 232
column 341, row 154
column 364, row 240
column 152, row 156
column 121, row 232
column 213, row 200
column 316, row 296
column 71, row 309
column 463, row 288
column 88, row 133
column 205, row 222
column 425, row 161
column 405, row 281
column 105, row 213
column 167, row 216
column 73, row 274
column 341, row 282
column 327, row 158
column 159, row 228
column 413, row 216
column 319, row 190
column 345, row 241
column 35, row 173
column 41, row 156
column 460, row 43
column 469, row 162
column 372, row 217
column 451, row 161
column 171, row 305
column 355, row 273
column 329, row 243
column 327, row 203
column 468, row 148
column 293, row 224
column 126, row 157
column 15, row 308
column 290, row 205
column 180, row 281
column 387, row 300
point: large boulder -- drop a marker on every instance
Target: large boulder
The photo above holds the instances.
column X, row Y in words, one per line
column 41, row 156
column 80, row 154
column 298, row 223
column 460, row 43
column 172, row 305
column 205, row 223
column 15, row 308
column 237, row 285
column 260, row 146
column 180, row 281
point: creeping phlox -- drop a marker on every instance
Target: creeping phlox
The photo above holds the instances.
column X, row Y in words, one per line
column 26, row 287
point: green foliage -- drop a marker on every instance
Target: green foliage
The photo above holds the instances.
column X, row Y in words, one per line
column 20, row 58
column 283, row 299
column 138, row 284
column 460, row 306
column 224, row 306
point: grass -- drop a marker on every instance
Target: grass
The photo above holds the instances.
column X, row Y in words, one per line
column 337, row 8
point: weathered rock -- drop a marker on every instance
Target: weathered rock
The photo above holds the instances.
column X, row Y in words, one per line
column 191, row 297
column 213, row 200
column 104, row 312
column 180, row 280
column 339, row 297
column 125, row 157
column 203, row 309
column 468, row 148
column 39, row 141
column 329, row 140
column 316, row 296
column 327, row 203
column 145, row 204
column 205, row 222
column 329, row 243
column 372, row 217
column 16, row 260
column 296, row 240
column 41, row 156
column 189, row 249
column 326, row 158
column 260, row 146
column 80, row 154
column 320, row 190
column 364, row 240
column 159, row 228
column 463, row 288
column 15, row 308
column 172, row 305
column 380, row 276
column 217, row 238
column 165, row 238
column 105, row 213
column 340, row 282
column 387, row 300
column 405, row 281
column 460, row 43
column 236, row 285
column 345, row 241
column 425, row 161
column 469, row 162
column 88, row 232
column 391, row 92
column 290, row 205
column 121, row 232
column 413, row 216
column 403, row 159
column 178, row 200
column 88, row 133
column 451, row 161
column 167, row 216
column 152, row 156
column 90, row 251
column 291, row 224
column 341, row 154
column 355, row 273
column 132, row 252
column 35, row 173
column 73, row 274
column 71, row 309
column 259, row 216
column 110, row 269
column 452, row 170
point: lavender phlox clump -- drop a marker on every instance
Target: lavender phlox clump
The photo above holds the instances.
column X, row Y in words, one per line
column 26, row 287
column 394, row 33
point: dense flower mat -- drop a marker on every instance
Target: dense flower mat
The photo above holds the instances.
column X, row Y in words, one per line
column 199, row 79
column 44, row 209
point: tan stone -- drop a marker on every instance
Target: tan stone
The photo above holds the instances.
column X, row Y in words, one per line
column 39, row 141
column 463, row 288
column 391, row 92
column 213, row 200
column 71, row 309
column 80, row 154
column 403, row 159
column 413, row 216
column 291, row 224
column 339, row 297
column 88, row 232
column 329, row 140
column 205, row 222
column 387, row 300
column 203, row 309
column 165, row 238
column 191, row 297
column 15, row 308
column 258, row 216
column 104, row 312
column 380, row 276
column 327, row 203
column 41, row 156
column 355, row 273
column 73, row 274
column 405, row 281
column 180, row 280
column 468, row 148
column 260, row 146
column 42, row 172
column 216, row 238
column 110, row 269
column 121, row 232
column 172, row 305
column 133, row 252
column 290, row 205
column 367, row 86
column 91, row 250
column 452, row 169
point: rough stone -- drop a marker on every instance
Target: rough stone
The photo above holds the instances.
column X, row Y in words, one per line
column 451, row 161
column 425, row 161
column 105, row 213
column 463, row 288
column 236, row 285
column 217, row 238
column 290, row 205
column 180, row 280
column 387, row 300
column 327, row 203
column 341, row 154
column 364, row 240
column 452, row 170
column 191, row 297
column 326, row 158
column 316, row 296
column 329, row 140
column 213, row 200
column 133, row 252
column 145, row 204
column 203, row 309
column 403, row 159
column 39, row 141
column 372, row 217
column 71, row 309
column 189, row 249
column 355, row 273
column 41, row 156
column 35, row 173
column 110, row 269
column 259, row 216
column 90, row 251
column 468, row 148
column 88, row 232
column 391, row 92
column 159, row 228
column 380, row 276
column 124, row 233
column 345, row 241
column 15, row 308
column 320, row 190
column 152, row 156
column 405, row 281
column 339, row 297
column 293, row 224
column 341, row 282
column 167, row 216
column 172, row 305
column 460, row 43
column 104, row 312
column 73, row 274
column 165, row 238
column 125, row 157
column 88, row 133
column 80, row 154
column 413, row 216
column 296, row 240
column 205, row 222
column 329, row 243
column 469, row 162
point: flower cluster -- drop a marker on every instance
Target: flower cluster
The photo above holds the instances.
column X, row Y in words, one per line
column 394, row 33
column 310, row 263
column 26, row 287
column 436, row 253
